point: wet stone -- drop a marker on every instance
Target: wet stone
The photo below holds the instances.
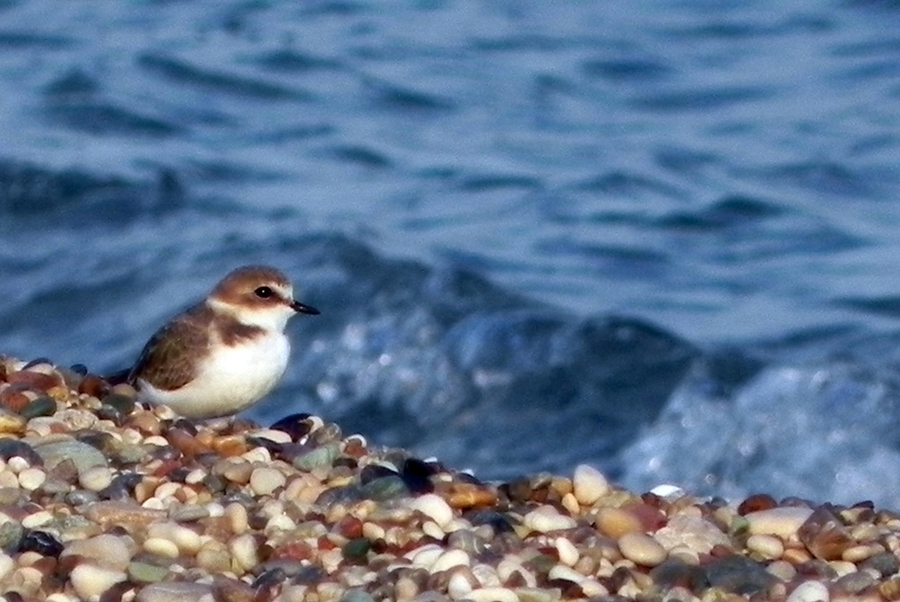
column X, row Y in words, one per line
column 321, row 456
column 42, row 406
column 886, row 564
column 10, row 448
column 295, row 425
column 856, row 582
column 739, row 575
column 385, row 488
column 416, row 474
column 824, row 535
column 143, row 572
column 42, row 542
column 11, row 533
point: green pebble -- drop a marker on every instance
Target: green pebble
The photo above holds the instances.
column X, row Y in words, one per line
column 356, row 549
column 356, row 595
column 122, row 404
column 10, row 534
column 385, row 488
column 321, row 456
column 142, row 572
column 42, row 406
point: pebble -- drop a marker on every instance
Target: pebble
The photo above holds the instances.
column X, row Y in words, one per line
column 641, row 549
column 767, row 546
column 106, row 550
column 589, row 484
column 434, row 507
column 545, row 519
column 782, row 521
column 492, row 594
column 32, row 478
column 265, row 480
column 568, row 553
column 96, row 478
column 176, row 591
column 244, row 550
column 809, row 591
column 90, row 581
column 448, row 560
column 615, row 522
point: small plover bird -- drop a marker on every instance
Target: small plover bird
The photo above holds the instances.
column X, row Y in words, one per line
column 224, row 354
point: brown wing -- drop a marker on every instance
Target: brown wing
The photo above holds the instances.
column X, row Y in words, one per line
column 165, row 360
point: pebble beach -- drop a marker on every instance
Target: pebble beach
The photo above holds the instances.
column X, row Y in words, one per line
column 104, row 499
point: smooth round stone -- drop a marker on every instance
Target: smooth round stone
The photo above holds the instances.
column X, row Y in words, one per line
column 321, row 456
column 615, row 522
column 186, row 539
column 568, row 553
column 265, row 480
column 143, row 572
column 32, row 478
column 175, row 591
column 84, row 456
column 356, row 595
column 809, row 591
column 641, row 549
column 244, row 550
column 90, row 581
column 782, row 522
column 448, row 560
column 425, row 556
column 96, row 478
column 693, row 532
column 42, row 406
column 106, row 550
column 545, row 519
column 565, row 573
column 161, row 547
column 767, row 546
column 7, row 565
column 589, row 484
column 10, row 535
column 237, row 517
column 492, row 594
column 434, row 507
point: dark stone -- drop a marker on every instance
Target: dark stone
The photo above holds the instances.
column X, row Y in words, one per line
column 739, row 575
column 309, row 575
column 42, row 406
column 295, row 425
column 385, row 488
column 498, row 522
column 417, row 476
column 885, row 563
column 754, row 503
column 677, row 573
column 13, row 447
column 41, row 542
column 856, row 582
column 373, row 472
column 121, row 487
column 356, row 549
column 79, row 369
column 121, row 403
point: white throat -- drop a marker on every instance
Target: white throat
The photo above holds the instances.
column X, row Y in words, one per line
column 272, row 319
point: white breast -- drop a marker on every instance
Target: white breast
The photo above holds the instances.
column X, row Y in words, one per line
column 231, row 379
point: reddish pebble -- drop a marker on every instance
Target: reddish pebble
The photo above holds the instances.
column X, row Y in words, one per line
column 754, row 503
column 350, row 527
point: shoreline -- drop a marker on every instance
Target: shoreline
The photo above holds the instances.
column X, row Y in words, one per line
column 103, row 499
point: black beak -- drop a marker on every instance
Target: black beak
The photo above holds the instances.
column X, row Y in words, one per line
column 304, row 309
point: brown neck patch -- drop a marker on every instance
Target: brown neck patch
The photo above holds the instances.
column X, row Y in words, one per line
column 232, row 332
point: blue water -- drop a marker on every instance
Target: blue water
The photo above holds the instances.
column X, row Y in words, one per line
column 658, row 237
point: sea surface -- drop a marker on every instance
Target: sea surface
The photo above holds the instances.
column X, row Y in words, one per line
column 659, row 237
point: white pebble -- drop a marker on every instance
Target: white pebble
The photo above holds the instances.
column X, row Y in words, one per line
column 424, row 556
column 459, row 586
column 237, row 518
column 768, row 546
column 545, row 519
column 90, row 581
column 32, row 478
column 95, row 478
column 641, row 549
column 565, row 573
column 38, row 519
column 589, row 484
column 264, row 480
column 17, row 464
column 448, row 560
column 809, row 591
column 492, row 594
column 243, row 549
column 186, row 539
column 434, row 507
column 7, row 564
column 783, row 522
column 161, row 547
column 273, row 435
column 568, row 553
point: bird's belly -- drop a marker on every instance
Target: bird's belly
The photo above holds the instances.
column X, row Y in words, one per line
column 230, row 380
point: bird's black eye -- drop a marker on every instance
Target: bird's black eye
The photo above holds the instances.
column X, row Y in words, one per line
column 263, row 292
